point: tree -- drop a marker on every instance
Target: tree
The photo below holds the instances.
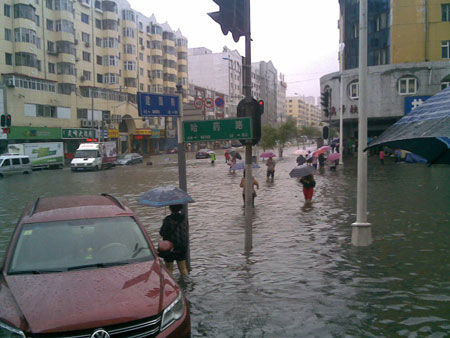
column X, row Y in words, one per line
column 309, row 132
column 286, row 131
column 268, row 137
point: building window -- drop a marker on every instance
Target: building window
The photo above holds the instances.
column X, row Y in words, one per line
column 87, row 56
column 84, row 18
column 445, row 8
column 65, row 68
column 85, row 37
column 25, row 12
column 445, row 83
column 26, row 59
column 99, row 60
column 129, row 65
column 45, row 111
column 99, row 78
column 64, row 5
column 353, row 90
column 141, row 56
column 49, row 4
column 445, row 49
column 8, row 34
column 50, row 46
column 8, row 59
column 7, row 10
column 407, row 85
column 129, row 49
column 64, row 26
column 98, row 23
column 86, row 75
column 50, row 25
column 98, row 41
column 51, row 68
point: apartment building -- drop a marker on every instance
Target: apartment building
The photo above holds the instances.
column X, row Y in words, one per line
column 71, row 71
column 408, row 60
column 281, row 98
column 223, row 72
column 306, row 114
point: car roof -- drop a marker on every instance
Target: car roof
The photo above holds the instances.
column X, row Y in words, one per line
column 49, row 209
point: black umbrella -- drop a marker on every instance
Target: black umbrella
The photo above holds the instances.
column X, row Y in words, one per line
column 425, row 131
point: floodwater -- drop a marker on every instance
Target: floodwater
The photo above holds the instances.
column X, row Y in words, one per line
column 302, row 277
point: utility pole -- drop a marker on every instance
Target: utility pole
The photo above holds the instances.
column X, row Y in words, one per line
column 361, row 229
column 248, row 147
column 341, row 98
column 182, row 181
column 234, row 17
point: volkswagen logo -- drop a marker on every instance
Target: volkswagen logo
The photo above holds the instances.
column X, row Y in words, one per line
column 100, row 333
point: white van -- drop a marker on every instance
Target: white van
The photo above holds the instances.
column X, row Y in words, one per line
column 14, row 164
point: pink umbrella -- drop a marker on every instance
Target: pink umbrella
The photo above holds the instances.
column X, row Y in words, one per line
column 267, row 154
column 321, row 150
column 333, row 157
column 300, row 152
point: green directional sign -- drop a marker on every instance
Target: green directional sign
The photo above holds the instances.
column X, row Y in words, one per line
column 214, row 130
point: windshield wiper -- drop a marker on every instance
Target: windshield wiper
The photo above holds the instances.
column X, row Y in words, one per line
column 96, row 265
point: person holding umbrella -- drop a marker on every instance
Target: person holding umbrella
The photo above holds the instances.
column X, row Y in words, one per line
column 173, row 230
column 270, row 168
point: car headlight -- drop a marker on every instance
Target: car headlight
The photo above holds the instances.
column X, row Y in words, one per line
column 7, row 331
column 173, row 312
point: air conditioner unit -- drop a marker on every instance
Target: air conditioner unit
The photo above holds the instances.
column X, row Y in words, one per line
column 97, row 124
column 77, row 59
column 84, row 123
column 86, row 44
column 10, row 83
column 112, row 126
column 82, row 78
column 90, row 123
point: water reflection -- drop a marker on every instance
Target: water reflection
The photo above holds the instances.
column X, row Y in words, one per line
column 303, row 277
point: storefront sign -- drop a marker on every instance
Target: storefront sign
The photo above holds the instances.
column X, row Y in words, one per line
column 77, row 133
column 113, row 133
column 142, row 131
column 153, row 133
column 34, row 133
column 156, row 133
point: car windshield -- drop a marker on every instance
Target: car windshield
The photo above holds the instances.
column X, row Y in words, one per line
column 86, row 153
column 79, row 244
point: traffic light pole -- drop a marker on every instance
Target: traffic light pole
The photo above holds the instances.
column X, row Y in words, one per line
column 248, row 147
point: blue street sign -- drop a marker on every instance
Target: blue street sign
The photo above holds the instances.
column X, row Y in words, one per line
column 219, row 102
column 157, row 105
column 412, row 102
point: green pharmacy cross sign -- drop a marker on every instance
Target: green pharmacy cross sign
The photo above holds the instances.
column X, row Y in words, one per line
column 214, row 130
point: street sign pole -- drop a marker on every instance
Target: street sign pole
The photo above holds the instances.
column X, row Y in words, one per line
column 182, row 181
column 248, row 148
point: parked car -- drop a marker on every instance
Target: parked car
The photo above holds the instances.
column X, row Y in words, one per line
column 131, row 158
column 14, row 164
column 84, row 266
column 202, row 153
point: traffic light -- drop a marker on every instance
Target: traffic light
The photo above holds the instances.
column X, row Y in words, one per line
column 254, row 109
column 8, row 120
column 325, row 133
column 233, row 16
column 3, row 118
column 325, row 101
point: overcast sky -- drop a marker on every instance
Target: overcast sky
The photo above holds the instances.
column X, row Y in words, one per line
column 300, row 37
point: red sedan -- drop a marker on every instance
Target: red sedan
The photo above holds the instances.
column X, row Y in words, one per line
column 84, row 266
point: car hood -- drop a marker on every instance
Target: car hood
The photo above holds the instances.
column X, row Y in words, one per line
column 91, row 298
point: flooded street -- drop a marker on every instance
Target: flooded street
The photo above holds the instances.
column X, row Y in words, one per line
column 303, row 277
